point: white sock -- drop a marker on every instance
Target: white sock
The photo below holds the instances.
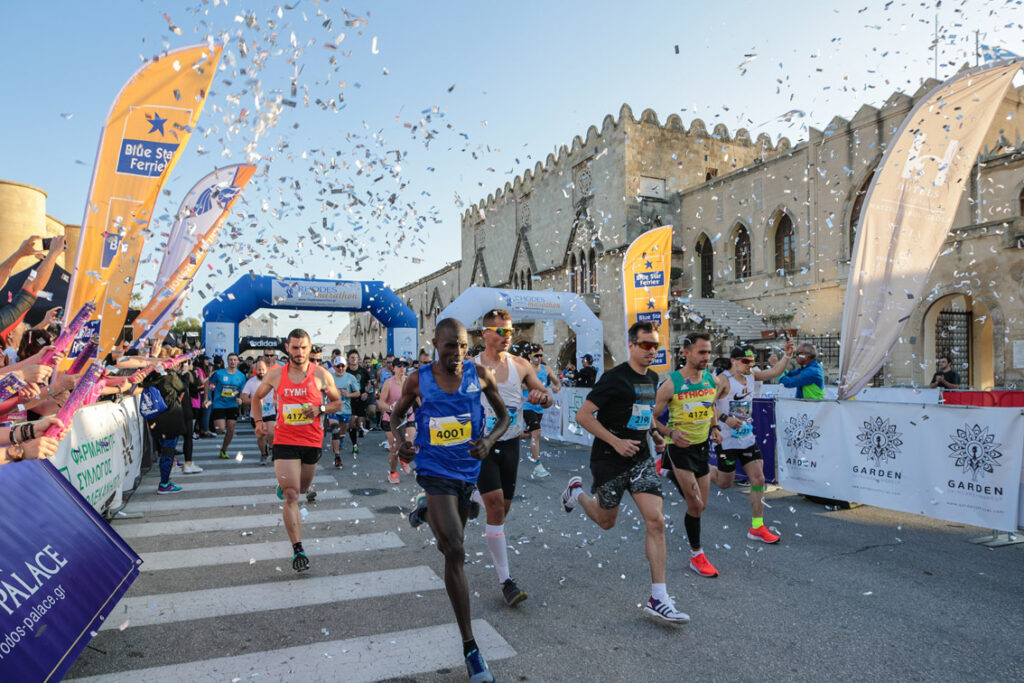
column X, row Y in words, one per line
column 499, row 551
column 659, row 592
column 575, row 492
column 695, row 553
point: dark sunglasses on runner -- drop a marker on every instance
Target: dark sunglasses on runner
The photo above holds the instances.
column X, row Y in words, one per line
column 647, row 345
column 501, row 331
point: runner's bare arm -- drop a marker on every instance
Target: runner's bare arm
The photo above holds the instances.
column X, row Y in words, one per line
column 586, row 417
column 661, row 401
column 556, row 382
column 539, row 394
column 331, row 390
column 779, row 368
column 269, row 383
column 410, row 392
column 481, row 447
column 385, row 390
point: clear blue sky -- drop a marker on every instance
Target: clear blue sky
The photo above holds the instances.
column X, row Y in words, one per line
column 527, row 77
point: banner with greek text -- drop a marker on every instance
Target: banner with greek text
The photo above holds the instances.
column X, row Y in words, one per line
column 195, row 231
column 645, row 278
column 62, row 571
column 957, row 463
column 908, row 211
column 145, row 132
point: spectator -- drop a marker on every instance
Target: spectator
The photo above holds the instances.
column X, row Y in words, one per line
column 569, row 374
column 587, row 376
column 12, row 314
column 946, row 377
column 809, row 378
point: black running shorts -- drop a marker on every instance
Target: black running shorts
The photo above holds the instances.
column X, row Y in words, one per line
column 224, row 414
column 532, row 421
column 640, row 478
column 309, row 455
column 693, row 458
column 438, row 486
column 500, row 468
column 727, row 458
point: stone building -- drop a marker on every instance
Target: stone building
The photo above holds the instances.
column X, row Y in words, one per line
column 22, row 214
column 762, row 239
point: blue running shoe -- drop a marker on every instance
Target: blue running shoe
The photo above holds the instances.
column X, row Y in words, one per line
column 164, row 489
column 419, row 513
column 477, row 669
column 280, row 493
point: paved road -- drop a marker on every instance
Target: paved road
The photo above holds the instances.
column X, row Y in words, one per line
column 858, row 594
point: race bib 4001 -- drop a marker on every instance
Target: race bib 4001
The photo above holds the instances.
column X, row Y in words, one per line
column 450, row 431
column 295, row 414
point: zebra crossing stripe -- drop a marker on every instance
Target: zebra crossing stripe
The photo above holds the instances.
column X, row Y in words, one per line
column 354, row 660
column 246, row 522
column 170, row 608
column 232, row 469
column 244, row 554
column 263, row 500
column 197, row 483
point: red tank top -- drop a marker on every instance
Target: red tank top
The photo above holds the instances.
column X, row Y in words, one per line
column 293, row 427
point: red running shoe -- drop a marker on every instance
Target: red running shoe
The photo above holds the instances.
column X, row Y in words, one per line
column 761, row 533
column 701, row 565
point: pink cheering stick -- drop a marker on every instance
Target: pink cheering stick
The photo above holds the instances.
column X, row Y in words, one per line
column 80, row 396
column 84, row 357
column 67, row 336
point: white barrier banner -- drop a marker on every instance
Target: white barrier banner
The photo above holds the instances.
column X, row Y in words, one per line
column 956, row 463
column 131, row 445
column 569, row 400
column 90, row 455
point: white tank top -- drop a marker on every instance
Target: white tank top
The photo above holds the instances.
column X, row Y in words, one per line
column 738, row 403
column 511, row 393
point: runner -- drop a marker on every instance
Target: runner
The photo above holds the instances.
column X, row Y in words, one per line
column 299, row 431
column 620, row 460
column 735, row 402
column 227, row 386
column 533, row 413
column 269, row 412
column 389, row 395
column 337, row 423
column 690, row 395
column 448, row 449
column 358, row 402
column 497, row 481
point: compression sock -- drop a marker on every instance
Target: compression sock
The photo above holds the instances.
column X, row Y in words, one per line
column 468, row 646
column 499, row 551
column 658, row 591
column 757, row 522
column 353, row 433
column 297, row 547
column 692, row 525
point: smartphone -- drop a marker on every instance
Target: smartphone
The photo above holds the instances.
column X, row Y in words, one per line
column 46, row 242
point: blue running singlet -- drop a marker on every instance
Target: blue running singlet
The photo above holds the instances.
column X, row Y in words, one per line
column 446, row 423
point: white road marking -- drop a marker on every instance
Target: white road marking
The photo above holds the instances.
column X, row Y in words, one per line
column 324, row 482
column 244, row 523
column 263, row 500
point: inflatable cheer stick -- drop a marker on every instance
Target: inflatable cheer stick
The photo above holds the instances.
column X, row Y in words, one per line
column 84, row 357
column 68, row 335
column 10, row 385
column 79, row 397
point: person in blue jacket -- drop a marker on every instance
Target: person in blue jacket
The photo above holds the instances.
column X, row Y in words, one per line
column 809, row 378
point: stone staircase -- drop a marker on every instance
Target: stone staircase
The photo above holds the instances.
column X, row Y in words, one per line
column 725, row 316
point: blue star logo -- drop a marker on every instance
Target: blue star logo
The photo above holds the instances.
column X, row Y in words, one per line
column 650, row 305
column 157, row 124
column 648, row 265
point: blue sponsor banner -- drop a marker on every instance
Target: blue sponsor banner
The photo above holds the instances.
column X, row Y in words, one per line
column 62, row 571
column 88, row 331
column 649, row 317
column 661, row 358
column 144, row 157
column 645, row 280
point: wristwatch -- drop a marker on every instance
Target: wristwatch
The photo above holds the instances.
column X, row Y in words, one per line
column 323, row 409
column 15, row 452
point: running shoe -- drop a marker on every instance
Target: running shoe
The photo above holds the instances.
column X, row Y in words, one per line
column 191, row 469
column 666, row 611
column 568, row 502
column 300, row 562
column 311, row 494
column 477, row 669
column 512, row 593
column 355, row 449
column 406, row 469
column 224, row 455
column 762, row 533
column 337, row 462
column 364, row 430
column 164, row 489
column 264, row 459
column 280, row 493
column 419, row 513
column 393, row 478
column 701, row 565
column 539, row 472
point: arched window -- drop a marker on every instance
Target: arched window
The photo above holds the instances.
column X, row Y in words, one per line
column 742, row 251
column 572, row 273
column 785, row 249
column 706, row 259
column 529, row 279
column 592, row 260
column 584, row 273
column 858, row 206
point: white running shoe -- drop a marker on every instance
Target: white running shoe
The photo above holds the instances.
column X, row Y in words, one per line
column 666, row 611
column 568, row 501
column 191, row 469
column 539, row 472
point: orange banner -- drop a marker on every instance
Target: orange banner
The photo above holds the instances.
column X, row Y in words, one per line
column 147, row 128
column 645, row 274
column 205, row 209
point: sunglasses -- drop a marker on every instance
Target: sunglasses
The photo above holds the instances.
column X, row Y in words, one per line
column 647, row 345
column 501, row 331
column 746, row 361
column 537, row 355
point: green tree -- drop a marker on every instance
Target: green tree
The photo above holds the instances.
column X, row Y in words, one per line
column 183, row 325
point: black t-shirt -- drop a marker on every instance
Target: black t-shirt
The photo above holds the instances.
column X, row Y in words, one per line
column 625, row 406
column 587, row 376
column 363, row 376
column 950, row 376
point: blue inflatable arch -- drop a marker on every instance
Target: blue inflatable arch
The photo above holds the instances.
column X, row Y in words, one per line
column 253, row 292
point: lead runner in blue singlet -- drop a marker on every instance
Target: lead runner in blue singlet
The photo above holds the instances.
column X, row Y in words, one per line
column 450, row 444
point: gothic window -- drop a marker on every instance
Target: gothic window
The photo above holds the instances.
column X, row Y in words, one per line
column 584, row 273
column 706, row 259
column 742, row 249
column 572, row 273
column 858, row 206
column 529, row 279
column 580, row 272
column 785, row 247
column 592, row 260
